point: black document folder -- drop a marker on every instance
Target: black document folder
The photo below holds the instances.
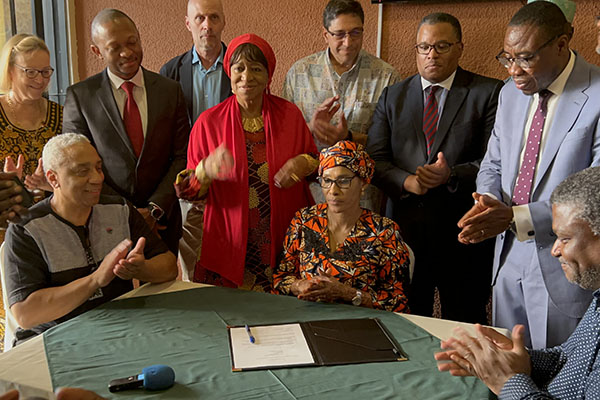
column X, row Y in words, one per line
column 340, row 341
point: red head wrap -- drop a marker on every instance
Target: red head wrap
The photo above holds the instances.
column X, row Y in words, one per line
column 259, row 42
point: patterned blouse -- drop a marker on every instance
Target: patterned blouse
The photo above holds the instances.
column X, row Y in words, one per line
column 373, row 258
column 258, row 271
column 15, row 141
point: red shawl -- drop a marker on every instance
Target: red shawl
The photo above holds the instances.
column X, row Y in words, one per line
column 226, row 215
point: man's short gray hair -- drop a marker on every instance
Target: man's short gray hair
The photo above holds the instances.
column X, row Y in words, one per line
column 580, row 191
column 54, row 154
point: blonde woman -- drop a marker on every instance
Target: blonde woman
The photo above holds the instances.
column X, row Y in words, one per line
column 27, row 119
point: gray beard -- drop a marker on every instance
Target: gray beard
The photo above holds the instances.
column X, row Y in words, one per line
column 588, row 279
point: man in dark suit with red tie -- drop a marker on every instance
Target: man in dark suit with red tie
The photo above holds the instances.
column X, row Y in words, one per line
column 138, row 122
column 428, row 135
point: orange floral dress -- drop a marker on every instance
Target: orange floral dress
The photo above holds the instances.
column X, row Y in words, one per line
column 373, row 258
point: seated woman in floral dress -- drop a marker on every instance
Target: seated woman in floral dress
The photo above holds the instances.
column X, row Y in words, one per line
column 339, row 252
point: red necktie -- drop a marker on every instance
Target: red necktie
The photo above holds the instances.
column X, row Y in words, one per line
column 522, row 192
column 132, row 119
column 430, row 117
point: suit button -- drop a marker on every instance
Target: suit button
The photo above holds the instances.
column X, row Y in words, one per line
column 531, row 233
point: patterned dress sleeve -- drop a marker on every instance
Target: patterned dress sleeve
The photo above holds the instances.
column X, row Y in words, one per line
column 288, row 270
column 545, row 364
column 392, row 271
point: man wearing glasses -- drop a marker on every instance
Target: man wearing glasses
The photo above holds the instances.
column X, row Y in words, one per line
column 546, row 129
column 337, row 89
column 428, row 136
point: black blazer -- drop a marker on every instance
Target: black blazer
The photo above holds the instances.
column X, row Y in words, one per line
column 397, row 143
column 180, row 69
column 90, row 109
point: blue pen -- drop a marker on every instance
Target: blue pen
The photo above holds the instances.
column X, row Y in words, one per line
column 250, row 336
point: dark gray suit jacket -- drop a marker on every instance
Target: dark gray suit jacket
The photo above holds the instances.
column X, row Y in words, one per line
column 90, row 109
column 397, row 143
column 180, row 69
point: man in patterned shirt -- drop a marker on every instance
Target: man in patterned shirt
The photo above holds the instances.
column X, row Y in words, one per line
column 572, row 369
column 337, row 89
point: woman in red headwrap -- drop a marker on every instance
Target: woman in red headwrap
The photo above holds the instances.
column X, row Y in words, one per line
column 339, row 252
column 247, row 160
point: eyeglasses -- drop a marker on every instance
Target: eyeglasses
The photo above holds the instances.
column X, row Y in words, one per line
column 354, row 34
column 523, row 61
column 342, row 183
column 32, row 73
column 440, row 47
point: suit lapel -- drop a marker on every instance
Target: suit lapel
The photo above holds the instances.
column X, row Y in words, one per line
column 187, row 83
column 154, row 106
column 108, row 103
column 225, row 82
column 415, row 108
column 454, row 100
column 569, row 107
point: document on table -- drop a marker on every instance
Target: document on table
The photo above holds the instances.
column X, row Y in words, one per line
column 274, row 346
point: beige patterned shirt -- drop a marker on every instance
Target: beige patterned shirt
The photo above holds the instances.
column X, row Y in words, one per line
column 313, row 79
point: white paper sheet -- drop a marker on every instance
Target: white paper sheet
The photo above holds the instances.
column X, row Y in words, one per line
column 275, row 345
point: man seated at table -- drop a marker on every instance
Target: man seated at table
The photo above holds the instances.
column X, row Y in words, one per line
column 572, row 369
column 72, row 253
column 339, row 252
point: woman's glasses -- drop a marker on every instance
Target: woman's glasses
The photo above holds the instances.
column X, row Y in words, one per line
column 342, row 183
column 32, row 73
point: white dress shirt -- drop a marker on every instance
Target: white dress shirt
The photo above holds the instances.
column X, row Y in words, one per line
column 522, row 215
column 440, row 95
column 139, row 95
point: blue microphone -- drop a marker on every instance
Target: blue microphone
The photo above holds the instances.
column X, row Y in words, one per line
column 155, row 377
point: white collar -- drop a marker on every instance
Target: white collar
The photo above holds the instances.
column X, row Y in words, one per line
column 558, row 85
column 446, row 84
column 116, row 81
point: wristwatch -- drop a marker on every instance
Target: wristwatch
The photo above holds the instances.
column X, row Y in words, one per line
column 155, row 211
column 357, row 299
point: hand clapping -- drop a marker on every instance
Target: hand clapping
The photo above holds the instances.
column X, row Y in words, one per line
column 490, row 356
column 320, row 124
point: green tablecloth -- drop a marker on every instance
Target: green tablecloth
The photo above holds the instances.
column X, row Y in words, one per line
column 187, row 331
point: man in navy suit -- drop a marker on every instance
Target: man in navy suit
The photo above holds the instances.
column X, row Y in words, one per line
column 546, row 129
column 137, row 121
column 205, row 84
column 428, row 136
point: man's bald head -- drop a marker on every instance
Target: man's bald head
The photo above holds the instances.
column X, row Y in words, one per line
column 108, row 15
column 117, row 43
column 205, row 20
column 215, row 4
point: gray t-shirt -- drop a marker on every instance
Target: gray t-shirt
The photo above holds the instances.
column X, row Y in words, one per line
column 45, row 250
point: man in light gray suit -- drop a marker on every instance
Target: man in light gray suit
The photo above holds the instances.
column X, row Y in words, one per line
column 546, row 129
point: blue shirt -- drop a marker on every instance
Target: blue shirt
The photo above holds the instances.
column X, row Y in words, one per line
column 568, row 371
column 206, row 83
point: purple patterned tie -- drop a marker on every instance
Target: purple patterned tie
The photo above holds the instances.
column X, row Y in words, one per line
column 522, row 192
column 430, row 117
